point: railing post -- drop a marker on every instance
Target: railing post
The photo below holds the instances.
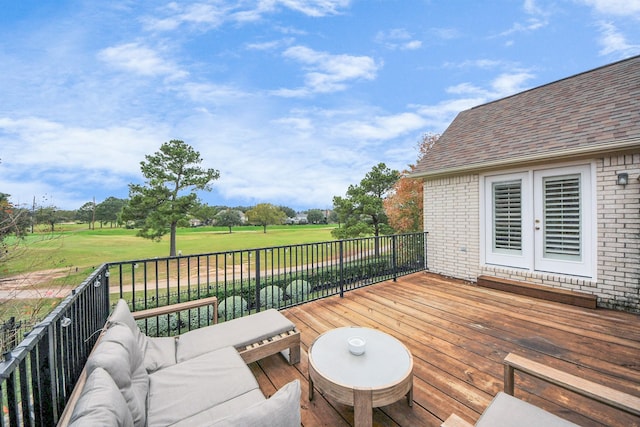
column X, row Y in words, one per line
column 53, row 372
column 257, row 280
column 426, row 264
column 341, row 249
column 46, row 378
column 394, row 256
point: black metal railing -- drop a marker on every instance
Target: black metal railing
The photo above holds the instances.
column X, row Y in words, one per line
column 247, row 281
column 38, row 376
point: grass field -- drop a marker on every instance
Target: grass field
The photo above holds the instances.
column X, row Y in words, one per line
column 73, row 246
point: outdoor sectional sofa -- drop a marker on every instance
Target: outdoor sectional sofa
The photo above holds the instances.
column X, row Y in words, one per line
column 198, row 378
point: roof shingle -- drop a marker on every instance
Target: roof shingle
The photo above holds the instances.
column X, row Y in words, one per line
column 589, row 112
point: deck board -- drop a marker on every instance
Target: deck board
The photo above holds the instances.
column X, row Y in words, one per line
column 458, row 334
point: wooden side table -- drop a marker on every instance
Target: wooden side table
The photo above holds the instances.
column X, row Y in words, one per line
column 379, row 377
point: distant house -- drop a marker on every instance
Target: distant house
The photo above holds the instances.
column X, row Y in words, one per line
column 543, row 187
column 300, row 218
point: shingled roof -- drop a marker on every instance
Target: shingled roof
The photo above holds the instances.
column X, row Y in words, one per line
column 592, row 112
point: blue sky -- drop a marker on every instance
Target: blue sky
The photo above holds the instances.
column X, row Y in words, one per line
column 292, row 100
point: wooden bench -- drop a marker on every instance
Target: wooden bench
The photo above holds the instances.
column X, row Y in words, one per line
column 565, row 296
column 600, row 393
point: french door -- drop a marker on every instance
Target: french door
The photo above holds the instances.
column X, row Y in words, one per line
column 541, row 220
column 563, row 229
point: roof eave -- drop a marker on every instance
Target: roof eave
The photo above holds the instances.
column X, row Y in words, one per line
column 515, row 161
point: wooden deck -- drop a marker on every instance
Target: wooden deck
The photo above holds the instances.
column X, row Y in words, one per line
column 459, row 334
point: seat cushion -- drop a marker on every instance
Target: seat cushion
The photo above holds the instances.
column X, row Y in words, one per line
column 508, row 411
column 197, row 385
column 158, row 352
column 237, row 332
column 118, row 354
column 101, row 403
column 238, row 404
column 282, row 410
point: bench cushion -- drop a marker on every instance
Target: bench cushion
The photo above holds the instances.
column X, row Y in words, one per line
column 101, row 403
column 282, row 410
column 118, row 354
column 186, row 389
column 508, row 411
column 159, row 352
column 237, row 332
column 236, row 405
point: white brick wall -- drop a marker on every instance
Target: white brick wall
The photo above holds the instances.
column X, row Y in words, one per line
column 452, row 219
column 619, row 233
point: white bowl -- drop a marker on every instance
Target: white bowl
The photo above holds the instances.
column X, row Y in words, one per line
column 357, row 345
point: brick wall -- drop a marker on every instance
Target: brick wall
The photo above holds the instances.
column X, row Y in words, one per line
column 452, row 220
column 619, row 233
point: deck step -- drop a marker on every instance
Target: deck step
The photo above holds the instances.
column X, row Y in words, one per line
column 580, row 299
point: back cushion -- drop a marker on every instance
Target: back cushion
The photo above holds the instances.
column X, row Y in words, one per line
column 122, row 314
column 101, row 403
column 158, row 352
column 119, row 355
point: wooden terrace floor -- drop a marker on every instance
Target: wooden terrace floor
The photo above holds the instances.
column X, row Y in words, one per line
column 459, row 334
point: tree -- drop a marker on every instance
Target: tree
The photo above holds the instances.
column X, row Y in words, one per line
column 47, row 215
column 86, row 213
column 404, row 206
column 362, row 211
column 265, row 214
column 228, row 218
column 13, row 222
column 169, row 193
column 289, row 212
column 315, row 216
column 109, row 210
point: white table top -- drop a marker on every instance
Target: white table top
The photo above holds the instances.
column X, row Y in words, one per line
column 385, row 360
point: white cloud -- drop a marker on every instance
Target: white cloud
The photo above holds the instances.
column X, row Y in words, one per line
column 538, row 18
column 381, row 128
column 68, row 162
column 615, row 7
column 509, row 83
column 614, row 42
column 141, row 60
column 398, row 39
column 204, row 16
column 328, row 73
column 46, row 144
column 316, row 8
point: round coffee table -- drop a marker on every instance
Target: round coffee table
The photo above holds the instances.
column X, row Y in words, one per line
column 380, row 376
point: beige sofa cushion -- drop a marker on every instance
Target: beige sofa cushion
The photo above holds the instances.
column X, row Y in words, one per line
column 236, row 405
column 282, row 410
column 237, row 332
column 118, row 354
column 186, row 389
column 159, row 352
column 101, row 403
column 508, row 411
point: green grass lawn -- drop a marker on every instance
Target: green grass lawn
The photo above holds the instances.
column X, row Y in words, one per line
column 75, row 247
